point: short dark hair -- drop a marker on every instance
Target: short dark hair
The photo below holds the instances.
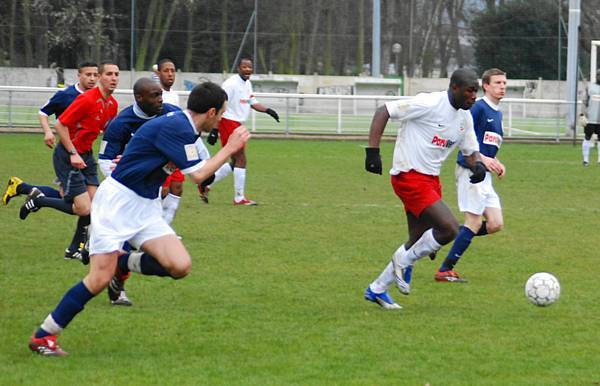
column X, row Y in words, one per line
column 463, row 77
column 487, row 74
column 163, row 61
column 205, row 96
column 106, row 63
column 246, row 57
column 140, row 85
column 86, row 64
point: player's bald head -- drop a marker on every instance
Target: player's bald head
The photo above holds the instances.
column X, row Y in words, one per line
column 143, row 86
column 464, row 78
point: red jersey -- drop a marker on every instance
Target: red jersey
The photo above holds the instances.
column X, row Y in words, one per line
column 87, row 116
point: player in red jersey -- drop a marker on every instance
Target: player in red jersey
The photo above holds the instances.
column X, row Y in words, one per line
column 74, row 164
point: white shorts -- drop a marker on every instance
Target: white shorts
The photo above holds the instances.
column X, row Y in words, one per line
column 474, row 198
column 119, row 215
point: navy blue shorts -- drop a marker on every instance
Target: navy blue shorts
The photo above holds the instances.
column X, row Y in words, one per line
column 74, row 181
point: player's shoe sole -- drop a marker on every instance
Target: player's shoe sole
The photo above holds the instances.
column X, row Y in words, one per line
column 245, row 202
column 384, row 300
column 122, row 300
column 46, row 346
column 449, row 277
column 11, row 189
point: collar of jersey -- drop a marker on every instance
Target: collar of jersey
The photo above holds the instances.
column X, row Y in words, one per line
column 79, row 90
column 490, row 103
column 137, row 110
column 189, row 117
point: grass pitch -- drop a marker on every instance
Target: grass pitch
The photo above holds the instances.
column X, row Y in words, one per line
column 275, row 295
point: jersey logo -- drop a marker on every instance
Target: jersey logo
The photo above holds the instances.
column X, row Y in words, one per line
column 490, row 120
column 442, row 142
column 492, row 138
column 191, row 153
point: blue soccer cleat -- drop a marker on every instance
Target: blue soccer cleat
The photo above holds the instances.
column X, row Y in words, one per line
column 383, row 299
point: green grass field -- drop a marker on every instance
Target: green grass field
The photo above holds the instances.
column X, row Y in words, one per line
column 275, row 295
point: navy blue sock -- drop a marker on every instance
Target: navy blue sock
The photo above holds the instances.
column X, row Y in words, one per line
column 151, row 266
column 70, row 305
column 123, row 261
column 56, row 203
column 462, row 242
column 80, row 232
column 483, row 230
column 49, row 191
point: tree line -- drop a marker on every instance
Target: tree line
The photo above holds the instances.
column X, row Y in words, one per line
column 330, row 37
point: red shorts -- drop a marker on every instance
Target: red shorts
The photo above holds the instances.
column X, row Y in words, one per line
column 226, row 127
column 417, row 191
column 176, row 176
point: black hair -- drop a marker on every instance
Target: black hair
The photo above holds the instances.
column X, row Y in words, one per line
column 205, row 96
column 463, row 77
column 163, row 61
column 86, row 64
column 141, row 84
column 246, row 57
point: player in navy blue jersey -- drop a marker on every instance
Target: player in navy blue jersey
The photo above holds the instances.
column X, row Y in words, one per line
column 479, row 201
column 127, row 207
column 87, row 77
column 148, row 105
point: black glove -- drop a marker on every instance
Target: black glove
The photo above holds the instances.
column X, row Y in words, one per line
column 373, row 160
column 212, row 136
column 273, row 113
column 479, row 171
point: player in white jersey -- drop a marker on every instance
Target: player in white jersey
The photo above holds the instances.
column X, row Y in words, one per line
column 592, row 122
column 241, row 99
column 431, row 126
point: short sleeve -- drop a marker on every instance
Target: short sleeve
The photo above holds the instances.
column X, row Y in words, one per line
column 114, row 140
column 405, row 109
column 55, row 102
column 469, row 144
column 177, row 144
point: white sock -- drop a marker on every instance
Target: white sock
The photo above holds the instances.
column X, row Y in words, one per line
column 423, row 247
column 221, row 173
column 170, row 205
column 385, row 279
column 239, row 183
column 50, row 326
column 585, row 150
column 134, row 262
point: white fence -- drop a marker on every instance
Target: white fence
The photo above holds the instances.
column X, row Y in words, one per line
column 313, row 113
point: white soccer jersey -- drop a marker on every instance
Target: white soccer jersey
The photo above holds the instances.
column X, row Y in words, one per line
column 430, row 128
column 170, row 97
column 593, row 109
column 240, row 97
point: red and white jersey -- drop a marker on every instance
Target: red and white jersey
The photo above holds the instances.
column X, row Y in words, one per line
column 171, row 97
column 240, row 97
column 430, row 128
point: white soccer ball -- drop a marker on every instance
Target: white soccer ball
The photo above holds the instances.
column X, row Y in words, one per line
column 542, row 289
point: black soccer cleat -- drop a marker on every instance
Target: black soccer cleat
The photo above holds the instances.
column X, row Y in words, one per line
column 30, row 206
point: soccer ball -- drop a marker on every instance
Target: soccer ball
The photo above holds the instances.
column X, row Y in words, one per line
column 542, row 289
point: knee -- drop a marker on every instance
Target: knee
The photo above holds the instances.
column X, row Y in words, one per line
column 447, row 232
column 495, row 226
column 97, row 281
column 82, row 209
column 180, row 269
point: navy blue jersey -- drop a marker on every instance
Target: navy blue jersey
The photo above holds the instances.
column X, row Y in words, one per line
column 121, row 129
column 60, row 101
column 487, row 123
column 157, row 148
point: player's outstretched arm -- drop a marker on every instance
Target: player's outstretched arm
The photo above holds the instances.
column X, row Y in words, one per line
column 236, row 141
column 264, row 109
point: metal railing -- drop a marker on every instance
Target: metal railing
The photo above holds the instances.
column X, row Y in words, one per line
column 313, row 113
